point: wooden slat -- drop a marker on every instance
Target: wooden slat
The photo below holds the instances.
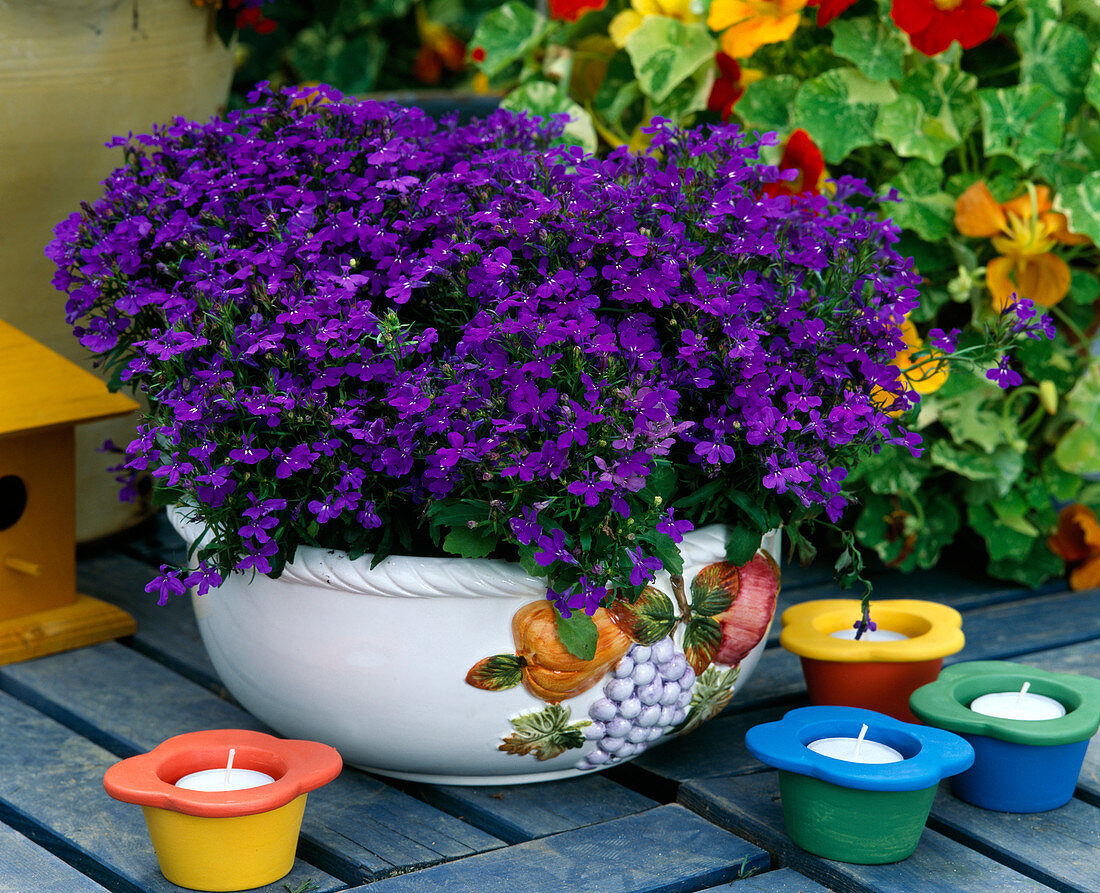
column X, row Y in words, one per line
column 1060, row 847
column 357, row 827
column 26, row 866
column 661, row 850
column 51, row 789
column 168, row 633
column 523, row 812
column 785, row 880
column 748, row 805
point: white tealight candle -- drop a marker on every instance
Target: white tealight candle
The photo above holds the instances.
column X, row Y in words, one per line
column 216, row 780
column 224, row 779
column 871, row 635
column 856, row 750
column 1020, row 704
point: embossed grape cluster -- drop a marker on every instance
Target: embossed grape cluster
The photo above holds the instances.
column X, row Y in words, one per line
column 648, row 693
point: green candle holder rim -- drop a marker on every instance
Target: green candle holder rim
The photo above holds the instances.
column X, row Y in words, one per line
column 945, row 703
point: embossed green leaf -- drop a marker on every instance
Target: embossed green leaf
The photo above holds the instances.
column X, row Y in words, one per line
column 496, row 673
column 713, row 690
column 1026, row 122
column 665, row 52
column 649, row 619
column 1081, row 205
column 714, row 588
column 876, row 48
column 767, row 103
column 1057, row 55
column 838, row 109
column 506, row 34
column 702, row 636
column 545, row 734
column 913, row 133
column 544, row 100
column 925, row 208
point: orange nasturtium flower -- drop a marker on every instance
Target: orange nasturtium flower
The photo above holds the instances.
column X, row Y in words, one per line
column 1077, row 542
column 629, row 20
column 439, row 49
column 747, row 25
column 925, row 373
column 800, row 153
column 1023, row 230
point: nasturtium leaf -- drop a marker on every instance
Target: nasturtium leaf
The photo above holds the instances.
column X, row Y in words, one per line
column 1092, row 85
column 1078, row 451
column 665, row 52
column 891, row 471
column 354, row 63
column 1084, row 288
column 1081, row 205
column 877, row 49
column 496, row 673
column 1044, row 9
column 476, row 543
column 506, row 34
column 618, row 94
column 914, row 133
column 838, row 109
column 544, row 100
column 687, row 97
column 1025, row 122
column 925, row 208
column 1001, row 540
column 767, row 103
column 579, row 635
column 902, row 538
column 702, row 636
column 1057, row 55
column 944, row 91
column 1002, row 467
column 648, row 619
column 714, row 588
column 1030, row 567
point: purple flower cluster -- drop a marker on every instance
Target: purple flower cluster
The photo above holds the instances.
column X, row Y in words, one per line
column 361, row 329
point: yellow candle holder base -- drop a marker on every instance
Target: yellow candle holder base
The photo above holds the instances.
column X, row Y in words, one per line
column 225, row 853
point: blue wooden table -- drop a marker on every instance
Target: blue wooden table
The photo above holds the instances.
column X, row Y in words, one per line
column 696, row 814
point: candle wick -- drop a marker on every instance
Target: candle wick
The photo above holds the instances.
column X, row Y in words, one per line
column 859, row 740
column 229, row 763
column 1023, row 691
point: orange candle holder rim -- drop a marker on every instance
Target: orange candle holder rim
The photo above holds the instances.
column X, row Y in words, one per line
column 149, row 779
column 934, row 630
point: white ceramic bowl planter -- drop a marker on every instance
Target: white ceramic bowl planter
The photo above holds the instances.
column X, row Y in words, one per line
column 376, row 663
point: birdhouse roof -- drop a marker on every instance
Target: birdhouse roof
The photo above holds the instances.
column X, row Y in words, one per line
column 41, row 389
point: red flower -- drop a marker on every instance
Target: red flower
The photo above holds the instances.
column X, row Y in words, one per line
column 478, row 54
column 727, row 88
column 827, row 10
column 803, row 155
column 933, row 24
column 571, row 10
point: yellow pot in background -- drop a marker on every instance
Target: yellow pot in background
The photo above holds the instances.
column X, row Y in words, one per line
column 74, row 73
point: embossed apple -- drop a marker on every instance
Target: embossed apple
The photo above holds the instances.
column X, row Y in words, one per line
column 746, row 620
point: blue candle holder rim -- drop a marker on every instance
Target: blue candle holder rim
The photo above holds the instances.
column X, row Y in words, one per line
column 932, row 754
column 945, row 703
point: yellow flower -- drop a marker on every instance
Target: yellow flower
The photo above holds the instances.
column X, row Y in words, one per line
column 1023, row 230
column 747, row 25
column 925, row 374
column 629, row 20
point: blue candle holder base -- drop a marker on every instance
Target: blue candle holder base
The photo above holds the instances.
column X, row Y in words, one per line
column 1019, row 778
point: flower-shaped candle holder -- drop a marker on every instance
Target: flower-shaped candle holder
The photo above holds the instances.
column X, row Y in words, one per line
column 224, row 839
column 877, row 672
column 1020, row 765
column 839, row 807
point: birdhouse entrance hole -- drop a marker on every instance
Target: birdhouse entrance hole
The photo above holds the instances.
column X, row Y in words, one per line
column 13, row 500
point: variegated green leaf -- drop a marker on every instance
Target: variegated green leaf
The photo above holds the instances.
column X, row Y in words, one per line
column 875, row 47
column 545, row 734
column 913, row 133
column 839, row 108
column 925, row 208
column 544, row 100
column 507, row 34
column 665, row 52
column 767, row 103
column 1026, row 122
column 1057, row 55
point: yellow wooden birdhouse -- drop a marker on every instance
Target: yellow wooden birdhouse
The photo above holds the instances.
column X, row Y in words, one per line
column 42, row 398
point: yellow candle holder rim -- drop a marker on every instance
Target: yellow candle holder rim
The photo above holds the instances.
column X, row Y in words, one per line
column 803, row 633
column 945, row 703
